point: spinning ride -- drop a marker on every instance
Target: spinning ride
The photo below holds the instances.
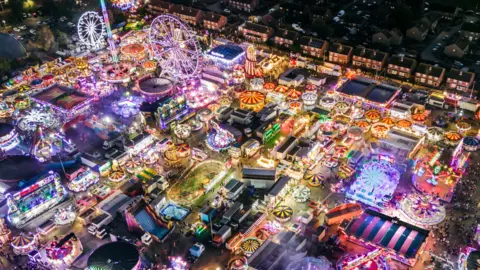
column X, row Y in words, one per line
column 375, row 184
column 127, row 106
column 283, row 213
column 175, row 46
column 422, row 210
column 23, row 244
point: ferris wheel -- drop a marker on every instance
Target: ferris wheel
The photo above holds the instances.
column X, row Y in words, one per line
column 91, row 29
column 175, row 47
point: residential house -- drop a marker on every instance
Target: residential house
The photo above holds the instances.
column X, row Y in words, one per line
column 460, row 80
column 369, row 59
column 285, row 37
column 432, row 18
column 340, row 54
column 245, row 5
column 419, row 31
column 190, row 15
column 471, row 31
column 214, row 21
column 294, row 12
column 256, row 32
column 313, row 46
column 457, row 49
column 273, row 19
column 401, row 66
column 321, row 13
column 429, row 75
column 447, row 9
column 388, row 37
column 158, row 7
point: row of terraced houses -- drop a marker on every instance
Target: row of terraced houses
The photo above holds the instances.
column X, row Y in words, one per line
column 363, row 58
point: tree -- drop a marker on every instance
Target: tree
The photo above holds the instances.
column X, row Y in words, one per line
column 61, row 37
column 16, row 8
column 45, row 39
column 4, row 66
column 402, row 17
column 321, row 28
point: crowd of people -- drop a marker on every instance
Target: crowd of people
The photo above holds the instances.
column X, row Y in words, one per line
column 459, row 227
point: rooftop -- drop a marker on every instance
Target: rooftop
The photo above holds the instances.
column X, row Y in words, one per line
column 402, row 61
column 369, row 54
column 460, row 75
column 287, row 34
column 227, row 52
column 340, row 48
column 369, row 90
column 311, row 42
column 256, row 27
column 430, row 70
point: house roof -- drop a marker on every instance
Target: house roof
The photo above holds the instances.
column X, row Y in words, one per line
column 423, row 25
column 287, row 34
column 462, row 43
column 340, row 48
column 471, row 27
column 369, row 54
column 212, row 17
column 257, row 27
column 460, row 75
column 319, row 11
column 311, row 42
column 160, row 3
column 432, row 17
column 430, row 70
column 294, row 6
column 188, row 11
column 402, row 61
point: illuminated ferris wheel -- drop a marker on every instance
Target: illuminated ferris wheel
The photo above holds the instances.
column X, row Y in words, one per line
column 91, row 29
column 175, row 46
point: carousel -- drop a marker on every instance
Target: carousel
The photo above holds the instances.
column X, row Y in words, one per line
column 269, row 86
column 262, row 234
column 182, row 131
column 311, row 88
column 435, row 134
column 37, row 117
column 295, row 107
column 281, row 89
column 283, row 213
column 225, row 100
column 132, row 165
column 419, row 117
column 327, row 102
column 355, row 133
column 177, row 155
column 250, row 245
column 256, row 84
column 238, row 263
column 363, row 124
column 404, row 124
column 294, row 94
column 330, row 161
column 380, row 130
column 463, row 126
column 452, row 138
column 117, row 176
column 301, row 194
column 24, row 243
column 471, row 144
column 65, row 216
column 422, row 210
column 340, row 151
column 253, row 100
column 341, row 107
column 315, row 180
column 309, row 98
column 64, row 251
column 149, row 66
column 133, row 51
column 373, row 116
column 389, row 121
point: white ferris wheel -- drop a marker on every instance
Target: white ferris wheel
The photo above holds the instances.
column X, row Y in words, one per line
column 175, row 47
column 91, row 29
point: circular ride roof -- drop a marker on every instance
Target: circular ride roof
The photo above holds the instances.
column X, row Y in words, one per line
column 114, row 256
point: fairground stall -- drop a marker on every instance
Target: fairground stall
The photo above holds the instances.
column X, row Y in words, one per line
column 36, row 199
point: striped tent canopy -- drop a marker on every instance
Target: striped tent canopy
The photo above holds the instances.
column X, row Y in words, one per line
column 453, row 136
column 281, row 89
column 404, row 123
column 340, row 151
column 269, row 86
column 342, row 106
column 294, row 94
column 262, row 234
column 283, row 212
column 225, row 100
column 238, row 263
column 419, row 117
column 250, row 245
column 315, row 180
column 388, row 120
column 213, row 107
column 311, row 87
column 363, row 124
column 372, row 115
column 251, row 97
column 23, row 240
column 463, row 126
